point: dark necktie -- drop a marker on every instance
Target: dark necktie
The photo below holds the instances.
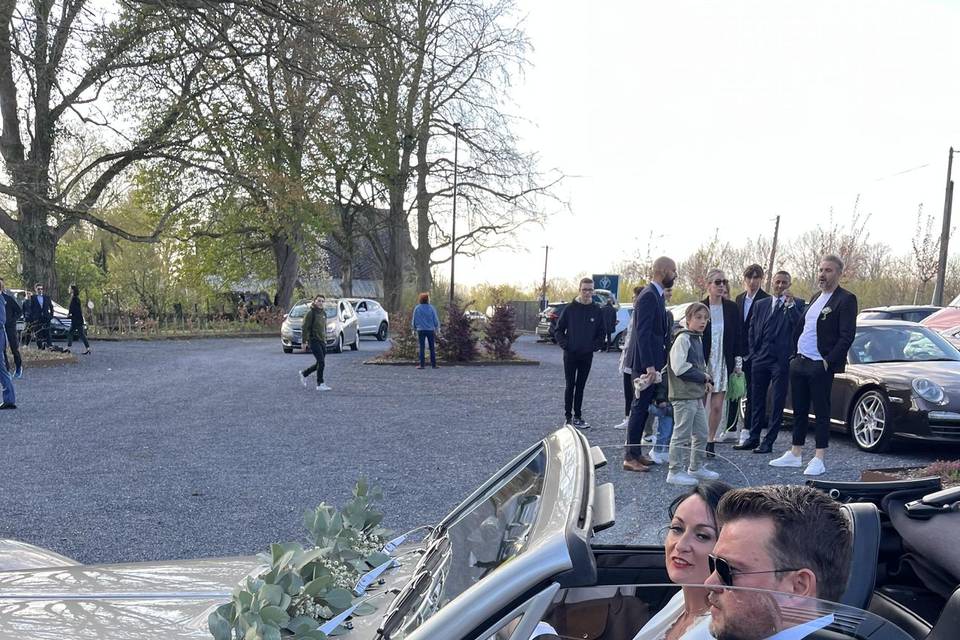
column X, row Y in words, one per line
column 777, row 307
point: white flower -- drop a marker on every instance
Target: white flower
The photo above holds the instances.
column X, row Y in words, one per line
column 826, row 311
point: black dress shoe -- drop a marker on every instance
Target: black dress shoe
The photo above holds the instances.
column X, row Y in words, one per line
column 748, row 444
column 764, row 448
column 7, row 406
column 710, row 452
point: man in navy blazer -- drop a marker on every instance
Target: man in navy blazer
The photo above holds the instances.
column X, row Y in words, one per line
column 649, row 354
column 823, row 339
column 41, row 312
column 773, row 321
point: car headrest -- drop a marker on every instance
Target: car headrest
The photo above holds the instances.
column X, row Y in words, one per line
column 865, row 526
column 946, row 626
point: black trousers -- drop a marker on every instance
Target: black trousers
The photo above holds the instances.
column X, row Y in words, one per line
column 42, row 334
column 78, row 332
column 765, row 374
column 627, row 393
column 576, row 368
column 639, row 412
column 810, row 384
column 320, row 353
column 13, row 339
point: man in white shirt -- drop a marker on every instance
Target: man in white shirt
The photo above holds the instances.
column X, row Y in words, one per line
column 823, row 339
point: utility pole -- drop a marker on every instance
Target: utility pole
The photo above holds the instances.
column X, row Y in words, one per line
column 453, row 232
column 773, row 253
column 543, row 293
column 944, row 235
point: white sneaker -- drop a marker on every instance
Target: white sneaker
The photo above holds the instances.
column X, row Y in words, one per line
column 651, row 439
column 303, row 379
column 787, row 460
column 815, row 468
column 323, row 387
column 744, row 436
column 704, row 474
column 681, row 478
column 659, row 457
column 622, row 425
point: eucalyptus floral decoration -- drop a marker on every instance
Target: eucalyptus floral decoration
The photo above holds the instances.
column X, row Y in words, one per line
column 307, row 592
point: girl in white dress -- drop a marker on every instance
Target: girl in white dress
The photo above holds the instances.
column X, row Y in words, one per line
column 690, row 539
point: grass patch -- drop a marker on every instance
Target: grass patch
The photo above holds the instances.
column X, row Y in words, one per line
column 46, row 358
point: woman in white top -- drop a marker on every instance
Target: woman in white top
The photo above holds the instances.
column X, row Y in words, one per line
column 690, row 539
column 722, row 347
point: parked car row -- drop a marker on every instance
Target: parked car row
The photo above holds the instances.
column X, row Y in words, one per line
column 59, row 326
column 347, row 320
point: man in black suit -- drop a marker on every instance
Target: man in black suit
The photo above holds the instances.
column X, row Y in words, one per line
column 14, row 312
column 823, row 339
column 649, row 355
column 752, row 294
column 772, row 325
column 41, row 313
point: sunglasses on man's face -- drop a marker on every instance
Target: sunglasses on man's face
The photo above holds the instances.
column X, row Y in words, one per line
column 722, row 568
column 721, row 283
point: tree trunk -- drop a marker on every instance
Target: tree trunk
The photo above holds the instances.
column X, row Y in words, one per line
column 37, row 244
column 287, row 261
column 346, row 276
column 393, row 271
column 424, row 251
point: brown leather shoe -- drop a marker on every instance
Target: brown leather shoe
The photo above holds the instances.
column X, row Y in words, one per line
column 644, row 459
column 635, row 465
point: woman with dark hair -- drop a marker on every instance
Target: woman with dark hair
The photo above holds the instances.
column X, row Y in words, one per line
column 77, row 327
column 691, row 536
column 426, row 322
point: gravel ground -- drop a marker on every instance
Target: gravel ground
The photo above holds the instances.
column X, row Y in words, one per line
column 178, row 449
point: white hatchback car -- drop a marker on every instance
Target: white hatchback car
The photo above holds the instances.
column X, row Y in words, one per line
column 373, row 318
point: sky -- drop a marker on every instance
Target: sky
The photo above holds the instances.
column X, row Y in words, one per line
column 674, row 119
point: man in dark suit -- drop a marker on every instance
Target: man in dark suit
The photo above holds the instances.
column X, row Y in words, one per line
column 746, row 301
column 649, row 355
column 41, row 313
column 823, row 339
column 771, row 344
column 13, row 313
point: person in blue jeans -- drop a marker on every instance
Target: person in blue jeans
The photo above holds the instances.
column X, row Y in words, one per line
column 426, row 322
column 9, row 397
column 661, row 408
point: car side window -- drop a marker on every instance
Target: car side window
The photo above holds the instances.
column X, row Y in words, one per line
column 361, row 307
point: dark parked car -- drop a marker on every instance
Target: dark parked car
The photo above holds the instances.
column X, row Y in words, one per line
column 548, row 320
column 902, row 381
column 910, row 313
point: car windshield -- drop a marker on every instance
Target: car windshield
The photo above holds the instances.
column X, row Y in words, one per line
column 330, row 310
column 484, row 534
column 299, row 311
column 900, row 344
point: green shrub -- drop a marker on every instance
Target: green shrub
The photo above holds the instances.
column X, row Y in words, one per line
column 501, row 332
column 457, row 342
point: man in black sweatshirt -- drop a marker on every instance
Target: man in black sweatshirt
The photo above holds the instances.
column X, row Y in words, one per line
column 580, row 332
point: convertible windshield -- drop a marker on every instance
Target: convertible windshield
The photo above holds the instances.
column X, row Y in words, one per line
column 484, row 534
column 900, row 344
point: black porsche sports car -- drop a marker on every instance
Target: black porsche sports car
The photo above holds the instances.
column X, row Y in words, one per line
column 902, row 381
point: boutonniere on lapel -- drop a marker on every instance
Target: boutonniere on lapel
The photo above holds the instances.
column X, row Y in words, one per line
column 826, row 311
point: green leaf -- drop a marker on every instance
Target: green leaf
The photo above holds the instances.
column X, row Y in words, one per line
column 320, row 584
column 301, row 624
column 364, row 609
column 377, row 559
column 271, row 633
column 338, row 598
column 219, row 625
column 245, row 598
column 279, row 551
column 274, row 615
column 271, row 594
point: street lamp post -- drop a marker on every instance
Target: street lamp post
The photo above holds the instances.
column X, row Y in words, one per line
column 453, row 233
column 944, row 235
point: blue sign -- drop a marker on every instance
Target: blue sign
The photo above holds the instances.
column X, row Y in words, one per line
column 609, row 282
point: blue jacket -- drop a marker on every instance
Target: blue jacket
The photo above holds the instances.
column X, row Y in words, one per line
column 3, row 321
column 425, row 318
column 649, row 331
column 771, row 338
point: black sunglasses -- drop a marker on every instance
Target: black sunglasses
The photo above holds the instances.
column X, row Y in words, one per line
column 722, row 569
column 721, row 282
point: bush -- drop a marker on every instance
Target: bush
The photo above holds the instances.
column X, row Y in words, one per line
column 457, row 342
column 501, row 332
column 948, row 470
column 403, row 339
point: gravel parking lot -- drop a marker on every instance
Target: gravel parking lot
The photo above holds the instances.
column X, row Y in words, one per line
column 177, row 449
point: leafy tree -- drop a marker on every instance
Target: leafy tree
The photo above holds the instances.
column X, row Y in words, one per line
column 457, row 342
column 501, row 332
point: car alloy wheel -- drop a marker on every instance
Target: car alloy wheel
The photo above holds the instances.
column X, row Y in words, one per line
column 338, row 347
column 869, row 421
column 356, row 341
column 382, row 332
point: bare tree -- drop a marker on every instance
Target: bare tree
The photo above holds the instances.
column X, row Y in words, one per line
column 926, row 252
